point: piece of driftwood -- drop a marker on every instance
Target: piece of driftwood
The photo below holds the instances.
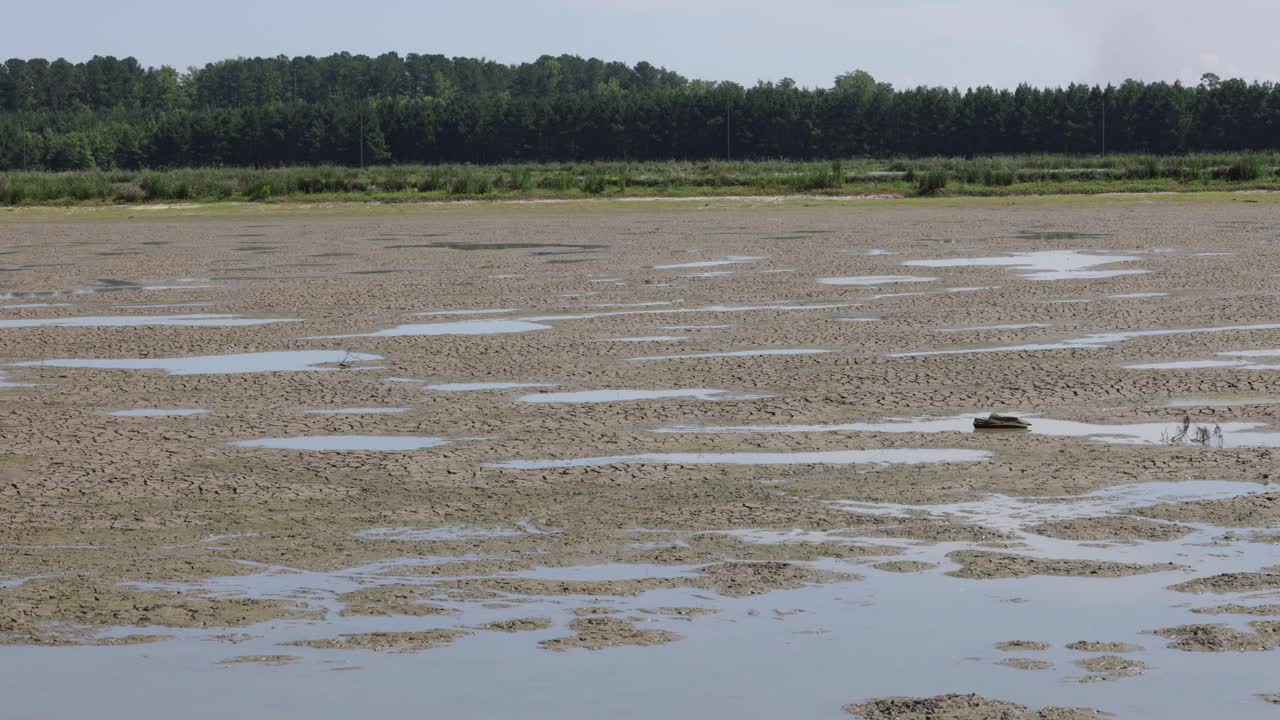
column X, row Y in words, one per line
column 1000, row 422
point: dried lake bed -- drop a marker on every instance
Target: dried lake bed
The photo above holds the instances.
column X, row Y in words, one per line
column 417, row 445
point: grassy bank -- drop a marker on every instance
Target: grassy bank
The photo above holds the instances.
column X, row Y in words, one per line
column 996, row 176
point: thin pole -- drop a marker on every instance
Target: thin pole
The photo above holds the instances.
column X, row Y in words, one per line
column 728, row 130
column 361, row 136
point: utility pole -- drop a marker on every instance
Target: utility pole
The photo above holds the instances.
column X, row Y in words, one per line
column 361, row 135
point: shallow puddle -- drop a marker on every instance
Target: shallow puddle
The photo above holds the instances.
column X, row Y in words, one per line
column 289, row 361
column 895, row 456
column 440, row 534
column 763, row 352
column 347, row 443
column 1042, row 265
column 1008, row 326
column 1246, row 360
column 477, row 311
column 146, row 321
column 358, row 411
column 731, row 260
column 609, row 396
column 539, row 322
column 1098, row 341
column 1233, row 434
column 6, row 383
column 873, row 280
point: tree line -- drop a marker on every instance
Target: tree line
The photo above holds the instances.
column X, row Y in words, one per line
column 351, row 109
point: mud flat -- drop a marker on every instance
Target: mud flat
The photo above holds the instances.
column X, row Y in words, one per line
column 628, row 489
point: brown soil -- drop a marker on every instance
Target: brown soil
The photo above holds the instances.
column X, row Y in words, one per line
column 1104, row 647
column 1113, row 665
column 1221, row 638
column 1111, row 528
column 990, row 565
column 904, row 566
column 1022, row 646
column 962, row 707
column 273, row 660
column 400, row 642
column 1025, row 664
column 519, row 625
column 598, row 633
column 1248, row 511
column 1230, row 583
column 87, row 603
column 1231, row 609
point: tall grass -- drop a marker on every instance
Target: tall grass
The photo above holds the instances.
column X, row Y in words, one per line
column 986, row 175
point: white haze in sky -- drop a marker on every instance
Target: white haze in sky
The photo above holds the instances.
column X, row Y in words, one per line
column 904, row 42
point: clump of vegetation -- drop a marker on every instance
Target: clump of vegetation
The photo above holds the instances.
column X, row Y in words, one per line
column 932, row 181
column 130, row 193
column 1186, row 433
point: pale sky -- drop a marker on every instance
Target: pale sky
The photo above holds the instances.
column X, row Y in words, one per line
column 905, row 42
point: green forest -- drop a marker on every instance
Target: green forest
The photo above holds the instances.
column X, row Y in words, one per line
column 112, row 114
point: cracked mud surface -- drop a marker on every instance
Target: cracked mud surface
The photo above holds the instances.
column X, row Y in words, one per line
column 962, row 707
column 118, row 530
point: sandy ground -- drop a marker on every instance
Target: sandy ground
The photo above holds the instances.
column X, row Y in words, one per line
column 106, row 512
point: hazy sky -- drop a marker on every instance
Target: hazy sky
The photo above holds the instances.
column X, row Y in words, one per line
column 905, row 42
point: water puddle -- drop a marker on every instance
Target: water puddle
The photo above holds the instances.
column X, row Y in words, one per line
column 347, row 443
column 164, row 305
column 24, row 306
column 157, row 412
column 655, row 303
column 1233, row 434
column 609, row 396
column 873, row 280
column 763, row 352
column 720, row 273
column 460, row 327
column 194, row 320
column 440, row 534
column 881, row 458
column 731, row 260
column 5, row 383
column 1008, row 326
column 1015, row 514
column 1042, row 265
column 103, row 286
column 535, row 323
column 289, row 361
column 1137, row 296
column 358, row 411
column 1247, row 360
column 1098, row 341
